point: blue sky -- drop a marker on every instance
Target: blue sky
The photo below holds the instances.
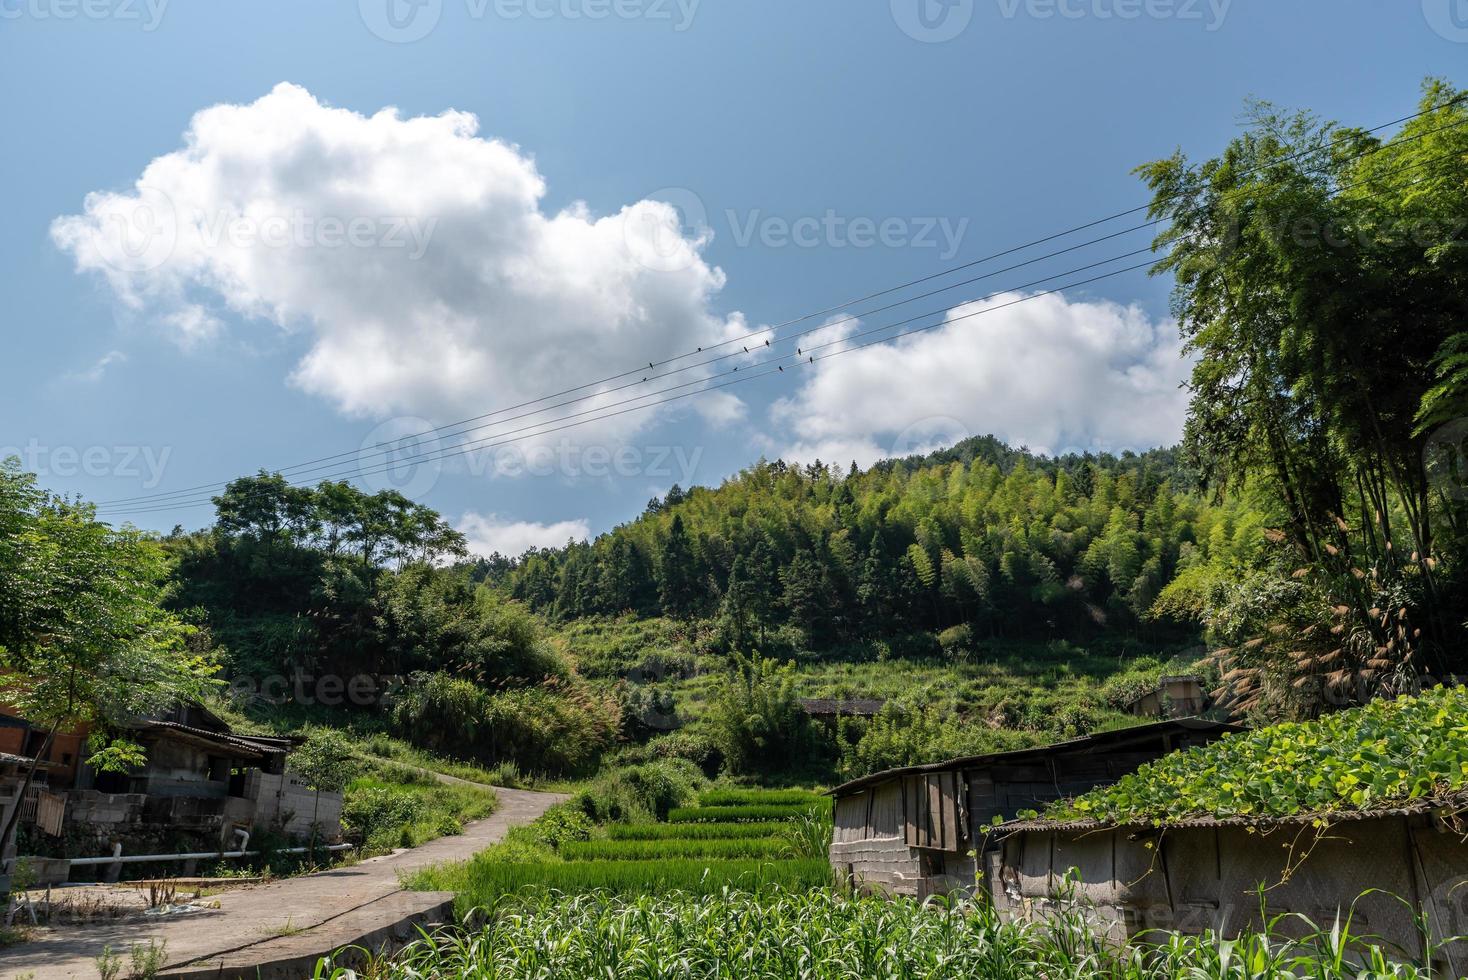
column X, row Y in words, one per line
column 814, row 151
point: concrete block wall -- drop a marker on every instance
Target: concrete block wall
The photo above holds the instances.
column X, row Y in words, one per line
column 92, row 807
column 286, row 801
column 885, row 865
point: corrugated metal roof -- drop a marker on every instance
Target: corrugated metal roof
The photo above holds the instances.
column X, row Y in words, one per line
column 860, row 707
column 253, row 745
column 1070, row 745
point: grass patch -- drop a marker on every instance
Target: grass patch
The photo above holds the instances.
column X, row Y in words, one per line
column 654, row 850
column 481, row 882
column 758, row 797
column 738, row 814
column 693, row 831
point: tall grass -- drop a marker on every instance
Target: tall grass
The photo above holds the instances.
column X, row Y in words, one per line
column 483, row 882
column 737, row 814
column 820, row 935
column 757, row 797
column 653, row 850
column 693, row 831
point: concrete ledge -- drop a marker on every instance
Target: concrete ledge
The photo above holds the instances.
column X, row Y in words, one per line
column 383, row 926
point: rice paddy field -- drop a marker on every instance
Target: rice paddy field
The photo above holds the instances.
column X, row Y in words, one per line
column 746, row 839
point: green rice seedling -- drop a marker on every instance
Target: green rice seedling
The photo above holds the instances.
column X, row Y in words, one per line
column 483, row 883
column 782, row 934
column 651, row 850
column 737, row 814
column 757, row 797
column 692, row 831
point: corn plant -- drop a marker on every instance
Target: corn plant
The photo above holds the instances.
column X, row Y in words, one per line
column 821, row 935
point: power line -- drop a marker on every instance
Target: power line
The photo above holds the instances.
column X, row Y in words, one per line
column 601, row 413
column 807, row 357
column 653, row 365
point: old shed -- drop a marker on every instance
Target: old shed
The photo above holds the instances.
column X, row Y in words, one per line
column 909, row 831
column 1205, row 873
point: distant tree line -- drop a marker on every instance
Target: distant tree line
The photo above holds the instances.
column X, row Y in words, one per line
column 999, row 539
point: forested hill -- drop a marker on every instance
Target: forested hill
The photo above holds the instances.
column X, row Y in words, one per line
column 982, row 535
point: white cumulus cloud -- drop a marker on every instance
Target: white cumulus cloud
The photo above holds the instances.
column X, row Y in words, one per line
column 413, row 255
column 1055, row 375
column 489, row 533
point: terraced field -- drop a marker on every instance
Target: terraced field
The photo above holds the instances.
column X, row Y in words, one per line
column 747, row 839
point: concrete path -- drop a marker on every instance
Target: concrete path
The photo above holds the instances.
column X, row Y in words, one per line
column 303, row 910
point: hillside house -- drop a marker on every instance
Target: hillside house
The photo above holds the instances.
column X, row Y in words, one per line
column 1203, row 874
column 908, row 831
column 830, row 709
column 1177, row 696
column 200, row 779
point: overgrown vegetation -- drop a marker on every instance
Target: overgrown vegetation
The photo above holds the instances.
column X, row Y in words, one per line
column 1386, row 753
column 390, row 806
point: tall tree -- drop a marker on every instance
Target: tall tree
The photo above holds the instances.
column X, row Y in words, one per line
column 677, row 575
column 85, row 640
column 1319, row 270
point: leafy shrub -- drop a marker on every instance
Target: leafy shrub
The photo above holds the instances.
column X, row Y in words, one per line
column 396, row 806
column 756, row 719
column 376, row 814
column 1384, row 753
column 555, row 727
column 957, row 641
column 646, row 792
column 561, row 825
column 696, row 747
column 900, row 736
column 808, row 836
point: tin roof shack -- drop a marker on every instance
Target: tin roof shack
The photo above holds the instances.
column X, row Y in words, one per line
column 1204, row 873
column 830, row 709
column 201, row 781
column 1177, row 696
column 908, row 831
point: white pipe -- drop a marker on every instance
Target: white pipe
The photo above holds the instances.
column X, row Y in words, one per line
column 117, row 857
